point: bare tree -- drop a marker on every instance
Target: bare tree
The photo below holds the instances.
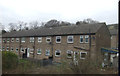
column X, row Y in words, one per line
column 34, row 25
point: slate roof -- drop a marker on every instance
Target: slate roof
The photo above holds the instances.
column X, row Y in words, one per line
column 65, row 30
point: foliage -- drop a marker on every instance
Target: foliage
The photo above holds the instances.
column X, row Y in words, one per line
column 9, row 60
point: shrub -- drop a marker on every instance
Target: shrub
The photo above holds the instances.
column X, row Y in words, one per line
column 9, row 60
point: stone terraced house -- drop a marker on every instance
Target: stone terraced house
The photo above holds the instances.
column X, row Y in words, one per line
column 58, row 43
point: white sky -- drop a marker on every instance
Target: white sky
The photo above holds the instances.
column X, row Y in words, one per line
column 64, row 10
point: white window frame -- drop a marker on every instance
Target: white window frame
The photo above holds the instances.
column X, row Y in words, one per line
column 39, row 39
column 81, row 37
column 57, row 38
column 4, row 40
column 22, row 49
column 57, row 51
column 32, row 39
column 17, row 39
column 47, row 51
column 48, row 38
column 7, row 48
column 12, row 39
column 22, row 40
column 70, row 52
column 8, row 39
column 80, row 55
column 86, row 36
column 3, row 48
column 16, row 49
column 12, row 48
column 72, row 39
column 39, row 50
column 31, row 51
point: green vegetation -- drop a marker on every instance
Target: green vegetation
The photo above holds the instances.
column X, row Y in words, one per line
column 9, row 60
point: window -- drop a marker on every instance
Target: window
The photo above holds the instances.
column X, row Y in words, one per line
column 3, row 40
column 3, row 48
column 47, row 52
column 57, row 53
column 31, row 39
column 70, row 39
column 0, row 48
column 22, row 49
column 17, row 39
column 69, row 53
column 7, row 48
column 81, row 39
column 86, row 38
column 8, row 39
column 38, row 51
column 12, row 49
column 23, row 39
column 48, row 39
column 31, row 51
column 58, row 39
column 39, row 39
column 83, row 55
column 16, row 49
column 12, row 39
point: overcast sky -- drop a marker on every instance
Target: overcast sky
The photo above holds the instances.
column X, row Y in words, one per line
column 63, row 10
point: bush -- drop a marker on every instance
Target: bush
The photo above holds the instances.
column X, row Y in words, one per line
column 9, row 60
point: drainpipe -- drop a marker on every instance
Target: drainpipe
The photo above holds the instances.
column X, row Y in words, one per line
column 34, row 47
column 89, row 43
column 19, row 47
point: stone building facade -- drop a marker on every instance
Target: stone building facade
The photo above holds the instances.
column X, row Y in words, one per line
column 58, row 43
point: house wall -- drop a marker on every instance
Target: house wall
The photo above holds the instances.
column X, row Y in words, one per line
column 102, row 40
column 63, row 47
column 114, row 41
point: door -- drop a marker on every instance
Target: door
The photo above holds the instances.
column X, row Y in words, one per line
column 28, row 52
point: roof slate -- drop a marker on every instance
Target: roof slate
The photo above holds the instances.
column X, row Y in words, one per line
column 64, row 30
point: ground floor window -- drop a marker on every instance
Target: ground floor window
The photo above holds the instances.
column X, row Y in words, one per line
column 31, row 51
column 47, row 52
column 38, row 51
column 57, row 53
column 69, row 53
column 16, row 49
column 7, row 48
column 83, row 55
column 22, row 49
column 12, row 49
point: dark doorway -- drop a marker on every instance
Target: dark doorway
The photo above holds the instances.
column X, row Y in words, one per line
column 25, row 53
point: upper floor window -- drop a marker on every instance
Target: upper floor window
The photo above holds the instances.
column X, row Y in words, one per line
column 86, row 38
column 57, row 53
column 12, row 39
column 8, row 39
column 38, row 51
column 31, row 39
column 83, row 55
column 17, row 39
column 47, row 52
column 48, row 39
column 70, row 39
column 81, row 39
column 39, row 39
column 69, row 53
column 58, row 39
column 23, row 39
